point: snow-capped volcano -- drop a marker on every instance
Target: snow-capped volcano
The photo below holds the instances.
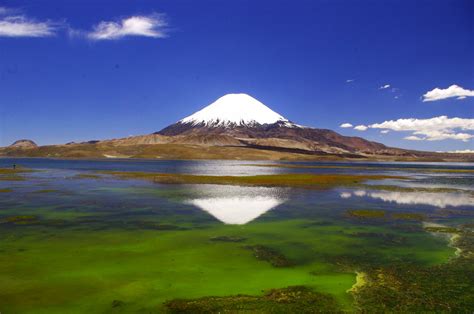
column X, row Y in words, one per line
column 234, row 110
column 236, row 126
column 241, row 120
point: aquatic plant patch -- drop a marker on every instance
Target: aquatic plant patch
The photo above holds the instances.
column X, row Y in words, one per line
column 270, row 255
column 284, row 180
column 228, row 239
column 296, row 299
column 366, row 213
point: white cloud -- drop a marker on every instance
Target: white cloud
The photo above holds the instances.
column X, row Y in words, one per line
column 346, row 125
column 462, row 151
column 384, row 86
column 350, row 81
column 360, row 128
column 384, row 131
column 21, row 26
column 413, row 138
column 451, row 91
column 433, row 129
column 149, row 26
column 438, row 136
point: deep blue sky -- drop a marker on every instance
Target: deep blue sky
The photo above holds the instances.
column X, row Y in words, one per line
column 294, row 56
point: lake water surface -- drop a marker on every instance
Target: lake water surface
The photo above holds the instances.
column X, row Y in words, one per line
column 76, row 241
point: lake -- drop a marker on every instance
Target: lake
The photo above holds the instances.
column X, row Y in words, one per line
column 76, row 238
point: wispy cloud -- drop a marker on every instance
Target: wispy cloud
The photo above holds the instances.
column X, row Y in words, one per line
column 22, row 26
column 450, row 92
column 432, row 129
column 361, row 127
column 413, row 138
column 15, row 24
column 384, row 131
column 350, row 81
column 154, row 25
column 8, row 11
column 346, row 125
column 384, row 86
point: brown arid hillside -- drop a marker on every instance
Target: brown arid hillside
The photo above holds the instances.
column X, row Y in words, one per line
column 164, row 147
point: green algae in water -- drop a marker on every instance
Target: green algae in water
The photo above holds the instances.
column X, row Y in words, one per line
column 86, row 270
column 101, row 264
column 117, row 250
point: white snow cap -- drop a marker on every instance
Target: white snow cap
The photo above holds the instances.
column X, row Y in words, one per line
column 235, row 109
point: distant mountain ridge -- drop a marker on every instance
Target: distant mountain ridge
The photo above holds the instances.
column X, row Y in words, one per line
column 235, row 126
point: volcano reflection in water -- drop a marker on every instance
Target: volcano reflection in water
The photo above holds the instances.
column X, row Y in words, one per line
column 236, row 205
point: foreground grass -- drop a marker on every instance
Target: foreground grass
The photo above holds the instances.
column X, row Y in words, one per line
column 285, row 180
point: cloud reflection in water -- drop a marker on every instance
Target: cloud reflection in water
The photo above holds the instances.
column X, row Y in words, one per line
column 437, row 199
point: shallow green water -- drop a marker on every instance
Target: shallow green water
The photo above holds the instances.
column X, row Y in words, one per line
column 82, row 245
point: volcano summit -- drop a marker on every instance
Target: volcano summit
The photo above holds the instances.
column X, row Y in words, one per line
column 234, row 109
column 230, row 111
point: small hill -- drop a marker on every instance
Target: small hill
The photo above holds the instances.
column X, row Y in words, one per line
column 24, row 144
